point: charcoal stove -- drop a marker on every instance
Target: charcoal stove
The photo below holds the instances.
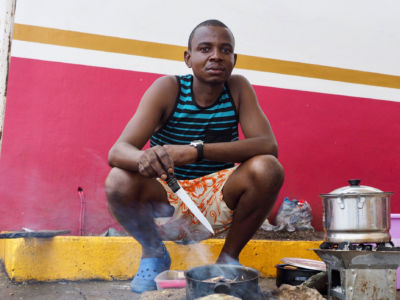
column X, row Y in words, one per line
column 359, row 270
column 361, row 260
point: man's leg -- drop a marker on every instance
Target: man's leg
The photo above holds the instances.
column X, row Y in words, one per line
column 132, row 200
column 250, row 192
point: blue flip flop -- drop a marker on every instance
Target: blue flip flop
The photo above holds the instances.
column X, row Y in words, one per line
column 149, row 268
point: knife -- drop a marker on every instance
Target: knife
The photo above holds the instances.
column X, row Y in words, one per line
column 181, row 193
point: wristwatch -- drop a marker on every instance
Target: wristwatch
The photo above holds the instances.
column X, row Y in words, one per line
column 198, row 144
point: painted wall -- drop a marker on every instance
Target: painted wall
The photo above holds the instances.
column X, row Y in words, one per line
column 7, row 10
column 327, row 76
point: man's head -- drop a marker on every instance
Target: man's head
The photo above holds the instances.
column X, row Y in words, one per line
column 210, row 52
column 211, row 22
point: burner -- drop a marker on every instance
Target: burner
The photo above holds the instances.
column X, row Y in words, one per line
column 355, row 270
column 388, row 246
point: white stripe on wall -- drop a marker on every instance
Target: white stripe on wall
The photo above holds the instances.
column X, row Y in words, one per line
column 359, row 34
column 161, row 66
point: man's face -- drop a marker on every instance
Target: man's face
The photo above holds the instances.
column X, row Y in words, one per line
column 212, row 55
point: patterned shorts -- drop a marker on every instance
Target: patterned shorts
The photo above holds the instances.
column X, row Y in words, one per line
column 206, row 192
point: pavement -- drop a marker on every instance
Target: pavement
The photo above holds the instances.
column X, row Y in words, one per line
column 92, row 290
column 99, row 290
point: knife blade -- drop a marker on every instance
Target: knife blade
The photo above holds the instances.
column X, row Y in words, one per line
column 181, row 193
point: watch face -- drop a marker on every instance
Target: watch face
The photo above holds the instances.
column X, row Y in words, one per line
column 197, row 142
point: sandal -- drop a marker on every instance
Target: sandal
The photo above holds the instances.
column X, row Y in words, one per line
column 149, row 268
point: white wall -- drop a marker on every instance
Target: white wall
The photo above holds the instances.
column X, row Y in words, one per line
column 360, row 35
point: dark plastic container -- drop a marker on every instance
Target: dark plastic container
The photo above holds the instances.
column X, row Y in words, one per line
column 286, row 275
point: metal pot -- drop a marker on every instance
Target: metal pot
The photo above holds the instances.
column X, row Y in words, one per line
column 238, row 281
column 357, row 214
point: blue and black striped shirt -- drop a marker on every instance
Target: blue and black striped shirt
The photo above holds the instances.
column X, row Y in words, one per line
column 188, row 122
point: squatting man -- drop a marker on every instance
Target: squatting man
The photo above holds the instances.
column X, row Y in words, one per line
column 192, row 124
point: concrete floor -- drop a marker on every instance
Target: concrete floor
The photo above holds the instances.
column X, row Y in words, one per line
column 91, row 290
column 97, row 290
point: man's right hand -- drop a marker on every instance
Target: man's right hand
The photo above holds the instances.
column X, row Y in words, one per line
column 155, row 162
column 159, row 161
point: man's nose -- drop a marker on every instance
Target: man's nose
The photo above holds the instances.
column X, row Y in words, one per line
column 216, row 54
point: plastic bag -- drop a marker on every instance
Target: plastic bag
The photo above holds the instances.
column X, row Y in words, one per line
column 294, row 215
column 267, row 226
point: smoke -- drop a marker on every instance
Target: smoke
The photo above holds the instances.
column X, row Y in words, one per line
column 201, row 252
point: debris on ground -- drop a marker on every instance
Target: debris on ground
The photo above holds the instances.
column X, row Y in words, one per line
column 218, row 297
column 167, row 294
column 318, row 281
column 298, row 235
column 290, row 292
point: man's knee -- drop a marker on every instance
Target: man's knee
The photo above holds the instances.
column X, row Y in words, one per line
column 266, row 168
column 118, row 184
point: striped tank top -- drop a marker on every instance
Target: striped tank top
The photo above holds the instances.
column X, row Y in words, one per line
column 188, row 122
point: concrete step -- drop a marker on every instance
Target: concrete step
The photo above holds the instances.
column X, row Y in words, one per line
column 108, row 258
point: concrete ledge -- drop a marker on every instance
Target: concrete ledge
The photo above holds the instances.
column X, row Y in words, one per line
column 1, row 249
column 108, row 258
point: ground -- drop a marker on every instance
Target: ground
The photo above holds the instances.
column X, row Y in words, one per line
column 304, row 235
column 92, row 290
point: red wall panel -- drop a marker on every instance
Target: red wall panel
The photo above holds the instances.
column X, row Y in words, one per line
column 61, row 119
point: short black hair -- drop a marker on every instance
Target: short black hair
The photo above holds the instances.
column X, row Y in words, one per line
column 210, row 22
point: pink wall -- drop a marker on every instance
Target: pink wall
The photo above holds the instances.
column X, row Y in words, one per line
column 61, row 119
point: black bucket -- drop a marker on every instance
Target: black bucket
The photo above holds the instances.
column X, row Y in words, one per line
column 238, row 281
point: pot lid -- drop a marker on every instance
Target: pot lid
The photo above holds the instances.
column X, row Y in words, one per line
column 354, row 188
column 305, row 263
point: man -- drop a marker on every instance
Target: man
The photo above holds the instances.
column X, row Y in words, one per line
column 192, row 123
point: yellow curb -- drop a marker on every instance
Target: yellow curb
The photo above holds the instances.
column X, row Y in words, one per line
column 1, row 249
column 107, row 258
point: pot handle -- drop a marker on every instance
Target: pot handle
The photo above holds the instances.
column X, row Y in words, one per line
column 341, row 203
column 222, row 288
column 354, row 182
column 360, row 202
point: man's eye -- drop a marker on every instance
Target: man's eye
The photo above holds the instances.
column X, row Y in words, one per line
column 205, row 49
column 227, row 50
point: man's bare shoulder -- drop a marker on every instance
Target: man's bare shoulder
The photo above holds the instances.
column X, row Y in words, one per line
column 238, row 84
column 239, row 87
column 162, row 93
column 238, row 80
column 168, row 83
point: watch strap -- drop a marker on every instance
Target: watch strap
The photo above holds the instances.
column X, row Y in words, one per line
column 199, row 148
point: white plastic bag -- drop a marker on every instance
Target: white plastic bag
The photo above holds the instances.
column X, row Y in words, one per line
column 294, row 215
column 267, row 226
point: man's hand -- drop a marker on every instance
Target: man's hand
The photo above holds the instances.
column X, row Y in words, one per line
column 155, row 162
column 159, row 161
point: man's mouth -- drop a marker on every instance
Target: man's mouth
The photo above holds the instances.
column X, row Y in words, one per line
column 216, row 70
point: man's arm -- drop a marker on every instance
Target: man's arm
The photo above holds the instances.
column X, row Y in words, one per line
column 154, row 108
column 255, row 126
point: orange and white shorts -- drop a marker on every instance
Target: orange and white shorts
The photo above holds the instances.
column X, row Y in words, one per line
column 206, row 192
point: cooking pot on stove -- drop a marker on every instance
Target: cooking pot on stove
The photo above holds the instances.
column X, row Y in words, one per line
column 234, row 280
column 357, row 214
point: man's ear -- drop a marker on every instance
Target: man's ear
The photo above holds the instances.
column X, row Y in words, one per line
column 187, row 58
column 234, row 59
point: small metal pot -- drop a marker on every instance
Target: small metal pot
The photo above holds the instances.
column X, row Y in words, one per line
column 357, row 214
column 238, row 281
